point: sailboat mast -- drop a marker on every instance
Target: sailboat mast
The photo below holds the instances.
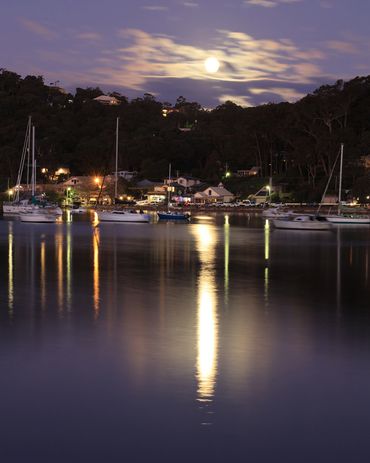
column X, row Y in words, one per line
column 340, row 177
column 116, row 173
column 28, row 150
column 33, row 179
column 169, row 186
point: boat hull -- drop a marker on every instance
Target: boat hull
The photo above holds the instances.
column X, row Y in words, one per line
column 172, row 216
column 302, row 223
column 123, row 217
column 38, row 218
column 16, row 209
column 349, row 220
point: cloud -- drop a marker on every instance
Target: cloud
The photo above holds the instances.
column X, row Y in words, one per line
column 161, row 64
column 154, row 7
column 190, row 4
column 89, row 36
column 38, row 29
column 288, row 94
column 342, row 47
column 145, row 62
column 269, row 3
column 240, row 100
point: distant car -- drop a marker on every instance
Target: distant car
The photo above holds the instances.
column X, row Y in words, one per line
column 247, row 203
column 143, row 202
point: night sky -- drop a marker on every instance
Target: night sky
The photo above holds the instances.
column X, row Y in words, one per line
column 269, row 50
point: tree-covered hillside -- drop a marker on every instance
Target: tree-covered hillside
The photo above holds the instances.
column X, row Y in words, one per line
column 296, row 142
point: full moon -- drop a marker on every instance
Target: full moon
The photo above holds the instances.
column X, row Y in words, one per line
column 211, row 65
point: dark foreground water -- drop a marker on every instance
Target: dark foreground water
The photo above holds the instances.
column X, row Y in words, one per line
column 215, row 341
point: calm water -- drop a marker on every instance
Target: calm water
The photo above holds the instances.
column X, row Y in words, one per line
column 215, row 341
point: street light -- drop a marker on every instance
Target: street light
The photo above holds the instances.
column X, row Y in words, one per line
column 268, row 188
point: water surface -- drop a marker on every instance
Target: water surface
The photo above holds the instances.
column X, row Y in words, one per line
column 219, row 340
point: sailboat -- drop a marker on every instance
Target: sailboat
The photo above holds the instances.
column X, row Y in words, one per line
column 118, row 215
column 36, row 213
column 19, row 206
column 171, row 215
column 341, row 217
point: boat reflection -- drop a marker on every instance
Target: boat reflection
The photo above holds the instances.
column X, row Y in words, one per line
column 10, row 271
column 226, row 256
column 207, row 319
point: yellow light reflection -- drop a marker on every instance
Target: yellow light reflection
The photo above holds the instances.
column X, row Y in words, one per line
column 68, row 216
column 59, row 251
column 42, row 275
column 10, row 271
column 96, row 288
column 69, row 267
column 207, row 342
column 267, row 240
column 95, row 219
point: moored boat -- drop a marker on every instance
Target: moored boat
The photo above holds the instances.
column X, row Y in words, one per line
column 173, row 215
column 302, row 222
column 38, row 216
column 342, row 216
column 123, row 216
column 352, row 219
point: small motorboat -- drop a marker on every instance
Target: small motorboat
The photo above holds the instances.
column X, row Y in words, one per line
column 123, row 216
column 302, row 222
column 173, row 215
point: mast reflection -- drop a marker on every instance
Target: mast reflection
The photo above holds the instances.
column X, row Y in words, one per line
column 207, row 336
column 10, row 271
column 42, row 275
column 226, row 255
column 267, row 257
column 96, row 289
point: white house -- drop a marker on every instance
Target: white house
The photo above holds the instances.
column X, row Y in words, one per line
column 214, row 194
column 107, row 100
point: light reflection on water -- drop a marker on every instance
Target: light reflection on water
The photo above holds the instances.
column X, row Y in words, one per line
column 166, row 327
column 267, row 257
column 42, row 275
column 59, row 239
column 96, row 290
column 207, row 342
column 10, row 270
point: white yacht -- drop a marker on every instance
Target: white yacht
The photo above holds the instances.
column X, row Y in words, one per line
column 38, row 216
column 302, row 222
column 123, row 216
